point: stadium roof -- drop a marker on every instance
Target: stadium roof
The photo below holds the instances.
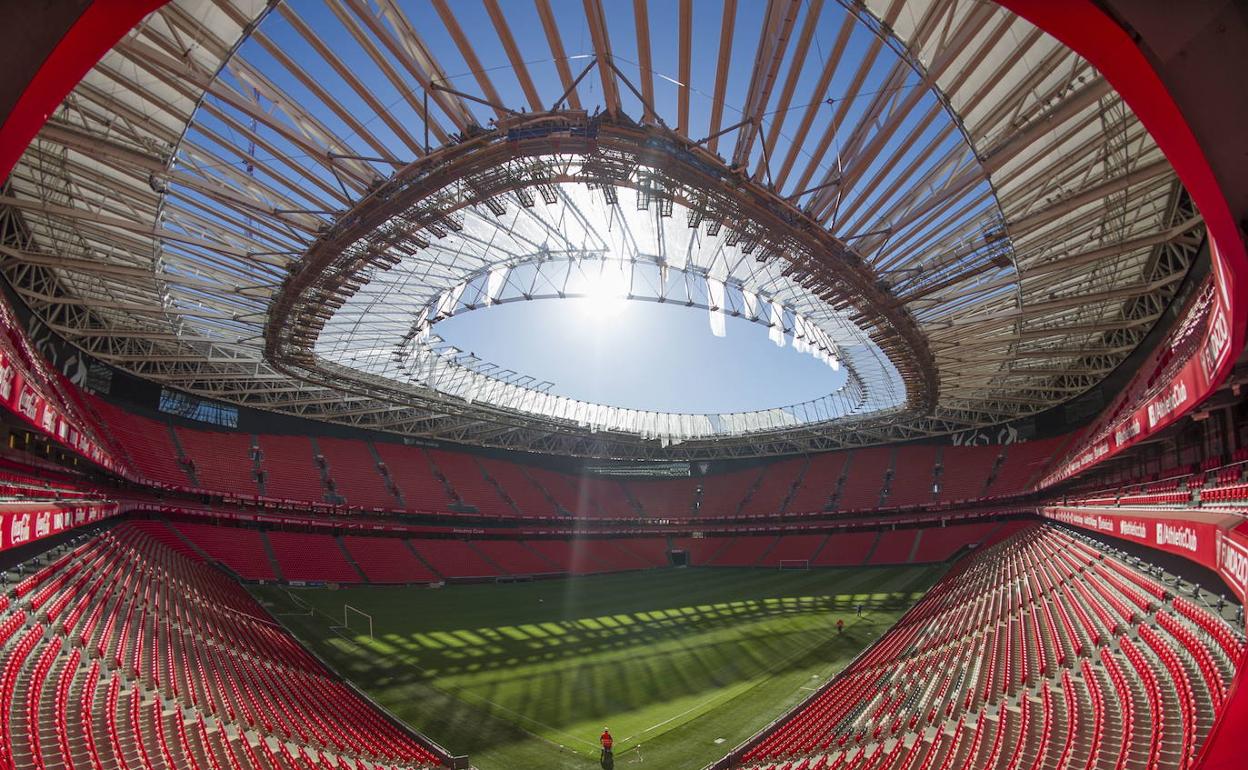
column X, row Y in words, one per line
column 275, row 206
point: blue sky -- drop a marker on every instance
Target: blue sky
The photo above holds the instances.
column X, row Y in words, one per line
column 641, row 355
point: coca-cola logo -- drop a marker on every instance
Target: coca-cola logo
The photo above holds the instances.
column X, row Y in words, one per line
column 43, row 524
column 28, row 404
column 6, row 379
column 19, row 529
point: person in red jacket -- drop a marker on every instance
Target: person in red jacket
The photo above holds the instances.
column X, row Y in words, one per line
column 607, row 742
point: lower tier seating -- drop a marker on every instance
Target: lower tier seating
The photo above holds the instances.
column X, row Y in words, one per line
column 304, row 556
column 587, row 556
column 1037, row 652
column 242, row 550
column 127, row 653
column 387, row 560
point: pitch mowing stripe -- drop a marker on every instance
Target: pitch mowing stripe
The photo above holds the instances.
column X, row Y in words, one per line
column 468, row 628
column 459, row 694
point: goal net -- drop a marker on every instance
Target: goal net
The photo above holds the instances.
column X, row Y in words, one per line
column 795, row 564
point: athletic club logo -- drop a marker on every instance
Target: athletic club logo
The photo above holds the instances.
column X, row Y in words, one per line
column 1127, row 432
column 1179, row 537
column 1166, row 403
column 1133, row 529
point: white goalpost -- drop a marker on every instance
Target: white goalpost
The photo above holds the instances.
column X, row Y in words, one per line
column 349, row 612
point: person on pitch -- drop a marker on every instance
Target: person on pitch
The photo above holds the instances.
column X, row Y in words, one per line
column 607, row 760
column 840, row 626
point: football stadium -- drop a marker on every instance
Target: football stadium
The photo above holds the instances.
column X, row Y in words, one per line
column 670, row 384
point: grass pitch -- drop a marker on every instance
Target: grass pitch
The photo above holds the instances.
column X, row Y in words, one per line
column 682, row 665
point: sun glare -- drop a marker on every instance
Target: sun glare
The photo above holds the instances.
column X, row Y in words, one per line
column 605, row 291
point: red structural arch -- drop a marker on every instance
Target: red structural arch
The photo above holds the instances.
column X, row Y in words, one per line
column 99, row 27
column 1083, row 27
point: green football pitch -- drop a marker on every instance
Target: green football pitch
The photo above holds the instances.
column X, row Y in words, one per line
column 681, row 664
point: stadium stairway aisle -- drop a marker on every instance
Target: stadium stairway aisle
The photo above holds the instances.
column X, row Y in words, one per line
column 129, row 651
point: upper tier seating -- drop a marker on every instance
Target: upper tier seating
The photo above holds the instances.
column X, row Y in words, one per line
column 1036, row 652
column 564, row 490
column 125, row 653
column 1213, row 484
column 470, row 483
column 964, row 472
column 861, row 491
column 290, row 469
column 723, row 494
column 665, row 497
column 773, row 489
column 914, row 476
column 608, row 496
column 147, row 442
column 412, row 473
column 528, row 498
column 585, row 496
column 29, row 484
column 437, row 480
column 1023, row 463
column 222, row 460
column 354, row 470
column 818, row 483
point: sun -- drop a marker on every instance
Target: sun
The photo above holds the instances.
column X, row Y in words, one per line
column 604, row 290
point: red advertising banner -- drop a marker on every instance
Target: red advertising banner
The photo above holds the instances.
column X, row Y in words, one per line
column 33, row 390
column 1233, row 559
column 22, row 523
column 1218, row 541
